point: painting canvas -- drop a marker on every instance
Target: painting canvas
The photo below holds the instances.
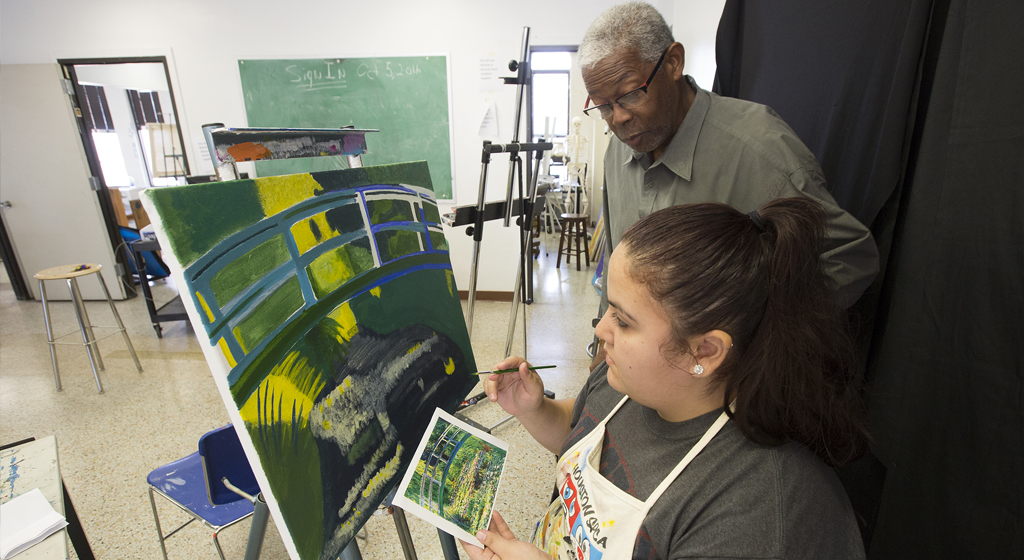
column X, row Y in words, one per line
column 328, row 313
column 455, row 478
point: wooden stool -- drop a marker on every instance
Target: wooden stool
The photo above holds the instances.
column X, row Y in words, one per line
column 573, row 226
column 70, row 273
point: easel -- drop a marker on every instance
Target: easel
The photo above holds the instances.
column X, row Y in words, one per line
column 228, row 146
column 524, row 206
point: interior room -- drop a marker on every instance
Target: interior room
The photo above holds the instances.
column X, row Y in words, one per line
column 911, row 108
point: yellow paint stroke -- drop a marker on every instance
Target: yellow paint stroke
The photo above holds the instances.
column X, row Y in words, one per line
column 449, row 368
column 292, row 381
column 346, row 384
column 414, row 348
column 375, row 292
column 451, row 283
column 284, row 191
column 346, row 319
column 238, row 336
column 386, row 473
column 206, row 308
column 302, row 231
column 223, row 344
column 330, row 271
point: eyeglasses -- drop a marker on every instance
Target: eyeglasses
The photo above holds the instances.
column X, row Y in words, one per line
column 629, row 101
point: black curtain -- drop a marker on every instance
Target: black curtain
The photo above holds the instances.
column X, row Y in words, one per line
column 841, row 73
column 946, row 359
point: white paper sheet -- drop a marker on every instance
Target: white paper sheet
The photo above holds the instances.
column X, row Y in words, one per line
column 27, row 519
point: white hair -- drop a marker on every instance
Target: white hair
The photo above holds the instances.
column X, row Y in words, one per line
column 633, row 26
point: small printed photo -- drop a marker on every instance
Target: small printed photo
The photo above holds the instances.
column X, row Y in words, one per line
column 454, row 478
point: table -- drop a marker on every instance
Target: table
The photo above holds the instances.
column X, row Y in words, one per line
column 27, row 465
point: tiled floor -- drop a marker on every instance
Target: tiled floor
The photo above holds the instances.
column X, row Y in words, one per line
column 109, row 442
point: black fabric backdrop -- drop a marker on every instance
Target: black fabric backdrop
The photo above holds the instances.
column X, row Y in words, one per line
column 916, row 111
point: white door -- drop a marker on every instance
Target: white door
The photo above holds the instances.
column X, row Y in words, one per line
column 54, row 216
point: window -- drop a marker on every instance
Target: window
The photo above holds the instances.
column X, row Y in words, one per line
column 159, row 139
column 97, row 109
column 550, row 92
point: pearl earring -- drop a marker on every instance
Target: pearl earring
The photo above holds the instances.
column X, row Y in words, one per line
column 698, row 369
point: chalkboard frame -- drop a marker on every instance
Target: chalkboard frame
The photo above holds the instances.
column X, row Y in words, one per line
column 320, row 166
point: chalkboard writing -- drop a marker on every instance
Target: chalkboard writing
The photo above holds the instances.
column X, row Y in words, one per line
column 406, row 98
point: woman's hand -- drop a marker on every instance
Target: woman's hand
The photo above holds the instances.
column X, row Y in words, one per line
column 519, row 392
column 500, row 542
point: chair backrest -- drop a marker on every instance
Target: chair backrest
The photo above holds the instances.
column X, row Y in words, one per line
column 223, row 457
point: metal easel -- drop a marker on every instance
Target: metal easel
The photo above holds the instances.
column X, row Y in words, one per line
column 523, row 206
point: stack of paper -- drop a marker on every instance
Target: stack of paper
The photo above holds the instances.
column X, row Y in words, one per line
column 26, row 520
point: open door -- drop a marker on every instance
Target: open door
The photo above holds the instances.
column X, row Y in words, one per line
column 54, row 216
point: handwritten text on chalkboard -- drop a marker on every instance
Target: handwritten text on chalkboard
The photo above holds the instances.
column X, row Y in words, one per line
column 330, row 75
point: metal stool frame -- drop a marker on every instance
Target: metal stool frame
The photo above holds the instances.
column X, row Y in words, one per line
column 86, row 327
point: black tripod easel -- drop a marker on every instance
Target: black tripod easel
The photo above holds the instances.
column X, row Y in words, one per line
column 522, row 205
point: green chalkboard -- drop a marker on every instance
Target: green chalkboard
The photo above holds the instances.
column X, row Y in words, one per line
column 406, row 98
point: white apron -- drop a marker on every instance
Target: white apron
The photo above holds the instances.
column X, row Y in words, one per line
column 592, row 518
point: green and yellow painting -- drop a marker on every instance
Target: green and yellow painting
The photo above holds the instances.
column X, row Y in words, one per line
column 332, row 325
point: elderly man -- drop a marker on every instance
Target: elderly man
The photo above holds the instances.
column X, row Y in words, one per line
column 676, row 143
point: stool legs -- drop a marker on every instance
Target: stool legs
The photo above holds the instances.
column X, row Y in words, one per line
column 577, row 233
column 574, row 230
column 120, row 325
column 586, row 245
column 91, row 347
column 49, row 334
column 561, row 240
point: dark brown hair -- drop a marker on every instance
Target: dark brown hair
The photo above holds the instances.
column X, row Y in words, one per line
column 792, row 370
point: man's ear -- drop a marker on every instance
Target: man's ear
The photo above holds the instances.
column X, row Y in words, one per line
column 675, row 59
column 709, row 351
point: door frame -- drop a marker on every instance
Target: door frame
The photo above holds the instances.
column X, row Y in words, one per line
column 14, row 272
column 67, row 66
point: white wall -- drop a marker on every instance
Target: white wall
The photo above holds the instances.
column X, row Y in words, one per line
column 694, row 24
column 203, row 41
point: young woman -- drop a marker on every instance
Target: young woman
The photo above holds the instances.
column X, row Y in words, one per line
column 728, row 392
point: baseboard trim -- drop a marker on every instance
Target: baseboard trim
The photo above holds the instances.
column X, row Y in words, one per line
column 487, row 296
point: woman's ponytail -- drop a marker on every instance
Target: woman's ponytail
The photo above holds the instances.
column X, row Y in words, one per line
column 796, row 379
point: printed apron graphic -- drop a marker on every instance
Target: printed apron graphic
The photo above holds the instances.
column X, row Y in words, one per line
column 578, row 525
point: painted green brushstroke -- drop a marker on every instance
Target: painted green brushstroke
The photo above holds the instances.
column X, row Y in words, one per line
column 397, row 243
column 365, row 445
column 389, row 210
column 247, row 269
column 414, row 173
column 439, row 241
column 270, row 313
column 197, row 217
column 291, row 460
column 354, row 257
column 416, row 298
column 431, row 213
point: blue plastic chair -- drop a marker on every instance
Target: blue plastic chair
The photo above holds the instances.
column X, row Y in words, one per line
column 185, row 484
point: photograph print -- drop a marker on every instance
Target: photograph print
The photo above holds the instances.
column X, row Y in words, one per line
column 454, row 481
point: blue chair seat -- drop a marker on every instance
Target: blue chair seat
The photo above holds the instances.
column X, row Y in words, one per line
column 184, row 484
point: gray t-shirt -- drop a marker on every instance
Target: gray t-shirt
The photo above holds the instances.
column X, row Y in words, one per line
column 742, row 154
column 735, row 500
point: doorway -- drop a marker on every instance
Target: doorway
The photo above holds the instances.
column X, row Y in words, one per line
column 128, row 121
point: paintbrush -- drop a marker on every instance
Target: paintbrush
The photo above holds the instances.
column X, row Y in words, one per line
column 511, row 370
